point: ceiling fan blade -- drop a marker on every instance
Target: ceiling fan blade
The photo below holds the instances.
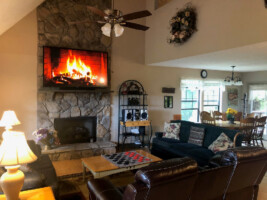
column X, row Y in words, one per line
column 136, row 15
column 135, row 26
column 97, row 11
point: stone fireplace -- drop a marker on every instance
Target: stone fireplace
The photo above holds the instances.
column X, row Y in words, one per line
column 57, row 28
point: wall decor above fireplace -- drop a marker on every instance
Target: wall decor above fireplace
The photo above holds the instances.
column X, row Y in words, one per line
column 72, row 68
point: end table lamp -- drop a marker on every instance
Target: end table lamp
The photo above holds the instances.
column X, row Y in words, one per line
column 9, row 119
column 13, row 152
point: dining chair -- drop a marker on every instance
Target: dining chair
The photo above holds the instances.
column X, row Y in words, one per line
column 177, row 117
column 250, row 115
column 206, row 118
column 224, row 116
column 259, row 127
column 217, row 115
column 246, row 128
column 238, row 116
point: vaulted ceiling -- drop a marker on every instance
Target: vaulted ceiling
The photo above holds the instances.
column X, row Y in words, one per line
column 11, row 11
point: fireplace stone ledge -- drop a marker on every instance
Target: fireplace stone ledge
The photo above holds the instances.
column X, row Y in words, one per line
column 80, row 150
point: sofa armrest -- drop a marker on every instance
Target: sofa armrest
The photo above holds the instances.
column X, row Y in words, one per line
column 239, row 134
column 103, row 189
column 159, row 134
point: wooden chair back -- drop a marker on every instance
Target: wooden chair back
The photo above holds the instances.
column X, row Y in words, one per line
column 250, row 115
column 177, row 117
column 224, row 117
column 247, row 127
column 206, row 118
column 259, row 127
column 238, row 116
column 217, row 115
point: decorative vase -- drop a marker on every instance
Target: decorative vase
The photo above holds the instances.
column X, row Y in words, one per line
column 231, row 119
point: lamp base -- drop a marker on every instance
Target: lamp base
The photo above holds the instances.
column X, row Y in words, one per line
column 12, row 182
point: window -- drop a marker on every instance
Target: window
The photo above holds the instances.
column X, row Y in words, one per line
column 190, row 104
column 211, row 99
column 198, row 95
column 258, row 101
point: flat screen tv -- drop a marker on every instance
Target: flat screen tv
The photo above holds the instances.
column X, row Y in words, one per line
column 74, row 69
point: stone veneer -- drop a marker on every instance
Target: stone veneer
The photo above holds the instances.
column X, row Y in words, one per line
column 57, row 27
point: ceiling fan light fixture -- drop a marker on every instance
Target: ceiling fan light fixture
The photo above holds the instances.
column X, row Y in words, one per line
column 106, row 29
column 118, row 30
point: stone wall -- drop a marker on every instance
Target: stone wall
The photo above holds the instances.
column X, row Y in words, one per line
column 69, row 24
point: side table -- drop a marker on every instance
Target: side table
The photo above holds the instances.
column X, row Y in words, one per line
column 45, row 193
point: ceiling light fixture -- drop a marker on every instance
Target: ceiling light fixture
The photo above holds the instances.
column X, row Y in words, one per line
column 114, row 20
column 233, row 80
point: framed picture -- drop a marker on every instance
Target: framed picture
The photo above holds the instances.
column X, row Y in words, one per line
column 232, row 96
column 168, row 101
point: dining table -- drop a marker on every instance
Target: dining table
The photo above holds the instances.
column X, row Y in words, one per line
column 226, row 124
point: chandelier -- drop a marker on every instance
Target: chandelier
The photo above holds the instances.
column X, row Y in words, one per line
column 233, row 80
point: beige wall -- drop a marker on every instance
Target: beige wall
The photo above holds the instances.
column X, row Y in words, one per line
column 18, row 83
column 221, row 25
column 127, row 63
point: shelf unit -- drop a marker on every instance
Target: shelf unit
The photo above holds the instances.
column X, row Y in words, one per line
column 132, row 96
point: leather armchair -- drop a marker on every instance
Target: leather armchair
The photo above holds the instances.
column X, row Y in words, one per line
column 162, row 180
column 250, row 165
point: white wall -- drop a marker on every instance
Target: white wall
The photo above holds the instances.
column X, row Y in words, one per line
column 18, row 68
column 221, row 25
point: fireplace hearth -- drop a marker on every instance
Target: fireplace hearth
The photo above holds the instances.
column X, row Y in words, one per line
column 76, row 129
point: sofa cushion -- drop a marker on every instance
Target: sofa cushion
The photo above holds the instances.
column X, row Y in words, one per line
column 196, row 135
column 184, row 147
column 171, row 130
column 222, row 143
column 201, row 155
column 165, row 142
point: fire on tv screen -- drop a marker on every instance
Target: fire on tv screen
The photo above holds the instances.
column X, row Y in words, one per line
column 70, row 68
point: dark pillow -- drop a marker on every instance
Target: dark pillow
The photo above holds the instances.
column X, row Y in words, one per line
column 196, row 135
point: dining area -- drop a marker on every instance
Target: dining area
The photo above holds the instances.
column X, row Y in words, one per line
column 251, row 126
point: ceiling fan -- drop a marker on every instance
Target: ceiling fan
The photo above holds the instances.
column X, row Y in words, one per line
column 114, row 19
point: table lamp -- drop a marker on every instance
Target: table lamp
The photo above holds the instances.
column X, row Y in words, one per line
column 14, row 151
column 9, row 119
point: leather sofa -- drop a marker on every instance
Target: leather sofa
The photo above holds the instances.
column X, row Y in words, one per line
column 40, row 173
column 167, row 148
column 231, row 175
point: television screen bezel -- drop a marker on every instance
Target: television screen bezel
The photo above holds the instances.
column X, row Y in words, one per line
column 79, row 88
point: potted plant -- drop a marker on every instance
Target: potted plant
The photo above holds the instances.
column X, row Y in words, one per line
column 230, row 114
column 46, row 137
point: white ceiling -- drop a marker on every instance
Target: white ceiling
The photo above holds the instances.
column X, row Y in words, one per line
column 246, row 59
column 11, row 11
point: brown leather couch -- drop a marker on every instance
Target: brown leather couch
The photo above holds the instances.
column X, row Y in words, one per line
column 234, row 174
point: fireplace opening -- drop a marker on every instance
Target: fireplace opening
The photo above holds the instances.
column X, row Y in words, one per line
column 71, row 68
column 76, row 129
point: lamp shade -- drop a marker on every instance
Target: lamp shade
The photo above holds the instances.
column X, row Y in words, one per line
column 106, row 29
column 118, row 29
column 15, row 150
column 9, row 118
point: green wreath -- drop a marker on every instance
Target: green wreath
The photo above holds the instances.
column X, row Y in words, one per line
column 183, row 25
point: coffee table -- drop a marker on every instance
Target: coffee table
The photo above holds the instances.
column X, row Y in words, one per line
column 101, row 167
